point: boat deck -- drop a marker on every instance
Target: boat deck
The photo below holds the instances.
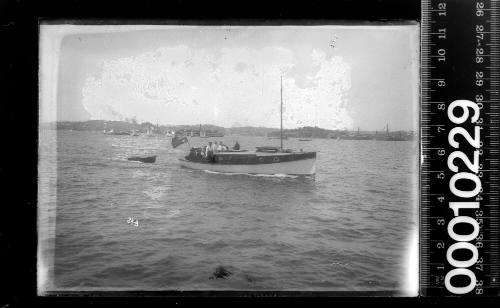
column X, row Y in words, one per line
column 256, row 153
column 253, row 157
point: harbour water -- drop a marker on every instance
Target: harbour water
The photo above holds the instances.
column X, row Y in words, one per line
column 346, row 229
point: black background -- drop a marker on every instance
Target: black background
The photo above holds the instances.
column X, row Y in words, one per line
column 459, row 73
column 19, row 121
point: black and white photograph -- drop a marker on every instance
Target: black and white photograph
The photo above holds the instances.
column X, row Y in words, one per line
column 230, row 157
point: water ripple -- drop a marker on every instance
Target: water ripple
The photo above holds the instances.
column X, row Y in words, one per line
column 343, row 229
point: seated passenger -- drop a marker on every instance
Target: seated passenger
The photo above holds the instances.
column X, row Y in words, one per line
column 198, row 153
column 192, row 154
column 220, row 148
column 236, row 146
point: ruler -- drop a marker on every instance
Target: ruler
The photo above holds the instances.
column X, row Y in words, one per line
column 459, row 210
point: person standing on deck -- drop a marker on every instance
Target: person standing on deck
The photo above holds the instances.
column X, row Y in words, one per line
column 210, row 150
column 204, row 151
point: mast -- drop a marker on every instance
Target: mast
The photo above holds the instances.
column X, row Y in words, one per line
column 281, row 112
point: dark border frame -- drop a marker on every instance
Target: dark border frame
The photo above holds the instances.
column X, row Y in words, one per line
column 19, row 21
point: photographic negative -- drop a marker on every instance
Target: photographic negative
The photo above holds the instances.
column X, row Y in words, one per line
column 228, row 157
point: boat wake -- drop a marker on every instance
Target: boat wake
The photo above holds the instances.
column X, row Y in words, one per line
column 120, row 157
column 133, row 161
column 279, row 175
column 155, row 193
column 140, row 174
column 173, row 213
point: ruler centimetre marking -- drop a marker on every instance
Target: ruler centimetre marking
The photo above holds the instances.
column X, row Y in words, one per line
column 459, row 212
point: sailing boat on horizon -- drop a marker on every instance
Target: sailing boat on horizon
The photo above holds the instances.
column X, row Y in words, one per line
column 149, row 131
column 264, row 160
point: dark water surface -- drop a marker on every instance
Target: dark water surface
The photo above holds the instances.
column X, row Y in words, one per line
column 345, row 229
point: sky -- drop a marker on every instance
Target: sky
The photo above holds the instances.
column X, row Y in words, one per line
column 334, row 77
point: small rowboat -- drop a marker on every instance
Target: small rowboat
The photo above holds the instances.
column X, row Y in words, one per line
column 148, row 159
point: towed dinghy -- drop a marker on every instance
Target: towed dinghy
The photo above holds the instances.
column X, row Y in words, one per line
column 147, row 159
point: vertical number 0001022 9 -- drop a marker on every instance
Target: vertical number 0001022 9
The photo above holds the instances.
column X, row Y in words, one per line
column 459, row 148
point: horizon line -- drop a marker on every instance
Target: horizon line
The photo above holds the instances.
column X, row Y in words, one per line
column 245, row 126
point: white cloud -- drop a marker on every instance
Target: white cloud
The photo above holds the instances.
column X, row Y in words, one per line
column 180, row 85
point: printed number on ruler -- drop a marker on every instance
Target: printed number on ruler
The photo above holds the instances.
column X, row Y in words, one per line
column 471, row 175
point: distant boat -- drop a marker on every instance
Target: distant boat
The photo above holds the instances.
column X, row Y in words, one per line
column 112, row 132
column 214, row 134
column 356, row 137
column 305, row 139
column 201, row 133
column 392, row 136
column 148, row 159
column 188, row 133
column 264, row 160
column 134, row 133
column 210, row 134
column 149, row 132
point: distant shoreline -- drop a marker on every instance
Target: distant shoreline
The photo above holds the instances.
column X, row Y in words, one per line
column 301, row 132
